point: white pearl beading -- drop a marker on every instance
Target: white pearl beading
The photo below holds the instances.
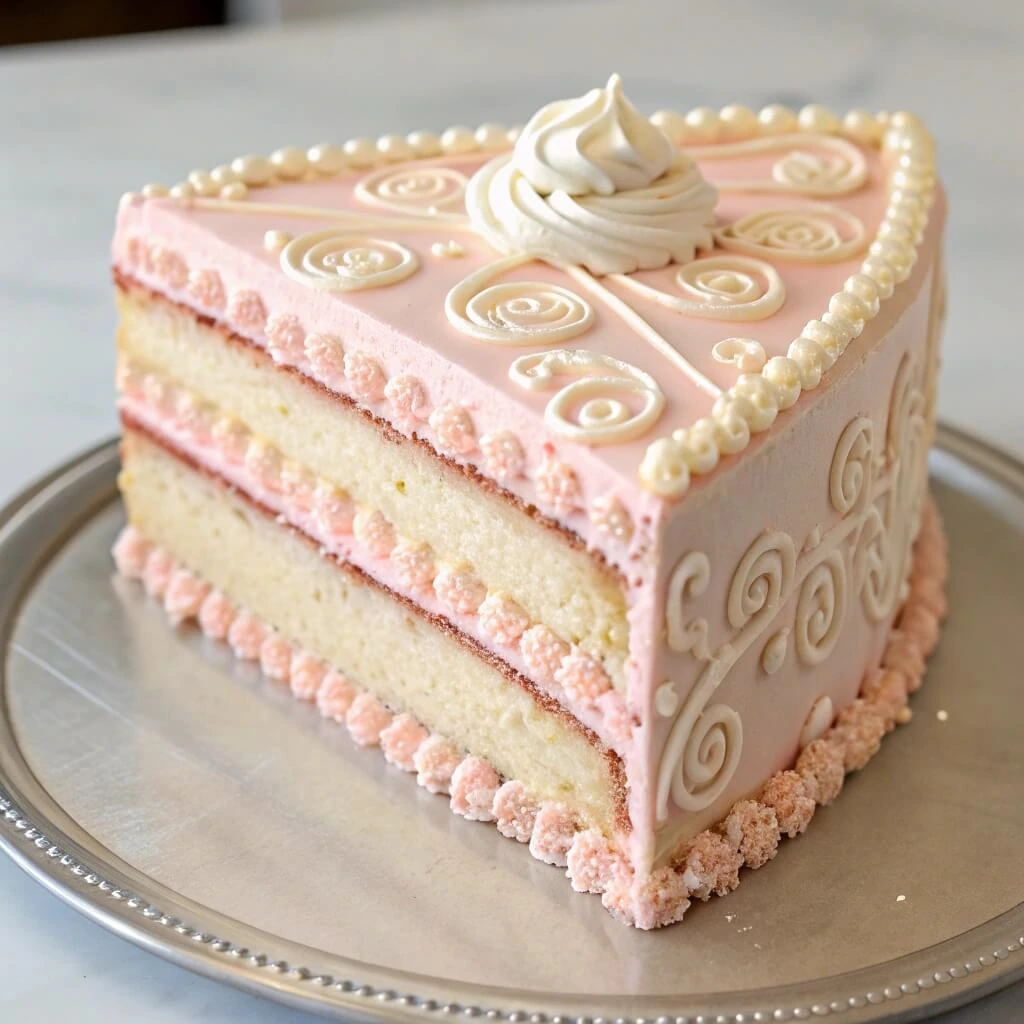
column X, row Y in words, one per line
column 753, row 402
column 751, row 405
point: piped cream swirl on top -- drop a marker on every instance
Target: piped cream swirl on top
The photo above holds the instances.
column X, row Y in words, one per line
column 592, row 182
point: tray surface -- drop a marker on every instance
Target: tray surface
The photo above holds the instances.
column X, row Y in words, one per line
column 178, row 798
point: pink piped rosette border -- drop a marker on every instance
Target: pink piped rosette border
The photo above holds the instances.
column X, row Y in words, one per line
column 710, row 865
column 360, row 375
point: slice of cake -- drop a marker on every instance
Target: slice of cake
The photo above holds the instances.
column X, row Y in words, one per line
column 581, row 468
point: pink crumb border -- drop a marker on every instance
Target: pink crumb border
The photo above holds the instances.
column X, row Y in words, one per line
column 706, row 865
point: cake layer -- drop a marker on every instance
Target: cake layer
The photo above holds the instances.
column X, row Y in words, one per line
column 424, row 497
column 362, row 537
column 410, row 661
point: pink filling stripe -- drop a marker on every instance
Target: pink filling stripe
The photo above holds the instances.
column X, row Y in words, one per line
column 564, row 671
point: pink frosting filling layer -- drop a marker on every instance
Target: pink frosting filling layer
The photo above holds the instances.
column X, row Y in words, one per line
column 367, row 541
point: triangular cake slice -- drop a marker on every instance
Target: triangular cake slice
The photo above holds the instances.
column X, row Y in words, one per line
column 582, row 468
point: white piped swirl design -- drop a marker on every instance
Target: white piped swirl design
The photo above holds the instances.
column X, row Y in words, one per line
column 719, row 288
column 588, row 409
column 593, row 183
column 334, row 260
column 435, row 191
column 515, row 313
column 815, row 234
column 811, row 165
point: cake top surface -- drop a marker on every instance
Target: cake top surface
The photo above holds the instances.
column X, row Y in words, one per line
column 616, row 301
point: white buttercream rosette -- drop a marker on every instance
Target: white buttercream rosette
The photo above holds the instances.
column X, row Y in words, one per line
column 593, row 183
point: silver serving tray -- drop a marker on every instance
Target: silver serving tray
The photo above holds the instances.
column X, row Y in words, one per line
column 174, row 796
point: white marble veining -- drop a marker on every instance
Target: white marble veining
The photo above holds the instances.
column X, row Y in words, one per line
column 82, row 123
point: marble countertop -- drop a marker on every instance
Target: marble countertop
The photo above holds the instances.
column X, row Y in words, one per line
column 83, row 122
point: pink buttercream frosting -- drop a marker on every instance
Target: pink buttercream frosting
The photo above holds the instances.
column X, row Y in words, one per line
column 247, row 310
column 454, row 429
column 184, row 595
column 193, row 417
column 861, row 726
column 366, row 719
column 408, row 399
column 264, row 462
column 712, row 866
column 594, row 862
column 335, row 696
column 658, row 900
column 333, row 510
column 216, row 614
column 553, row 832
column 459, row 590
column 157, row 572
column 821, row 765
column 285, row 338
column 131, row 552
column 400, row 740
column 327, row 357
column 306, row 675
column 789, row 796
column 502, row 619
column 414, row 564
column 753, row 828
column 365, row 376
column 231, row 438
column 374, row 532
column 582, row 677
column 436, row 760
column 473, row 787
column 559, row 486
column 246, row 635
column 503, row 455
column 515, row 811
column 206, row 289
column 276, row 658
column 543, row 652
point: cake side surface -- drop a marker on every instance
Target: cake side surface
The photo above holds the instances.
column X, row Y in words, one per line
column 773, row 611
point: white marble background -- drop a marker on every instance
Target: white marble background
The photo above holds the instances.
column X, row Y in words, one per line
column 80, row 123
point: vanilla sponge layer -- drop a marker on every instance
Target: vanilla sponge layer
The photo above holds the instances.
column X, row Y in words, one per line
column 425, row 499
column 387, row 648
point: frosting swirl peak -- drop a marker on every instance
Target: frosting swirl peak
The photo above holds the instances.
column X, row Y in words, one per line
column 599, row 143
column 594, row 183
